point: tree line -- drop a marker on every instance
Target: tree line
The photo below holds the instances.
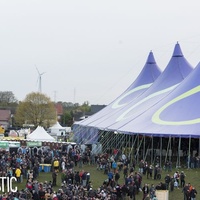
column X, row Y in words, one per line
column 38, row 109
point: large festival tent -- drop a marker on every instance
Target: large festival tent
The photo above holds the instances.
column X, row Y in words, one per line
column 175, row 72
column 85, row 132
column 177, row 115
column 126, row 120
column 135, row 117
column 177, row 69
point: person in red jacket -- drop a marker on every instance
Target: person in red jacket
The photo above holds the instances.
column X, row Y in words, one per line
column 29, row 185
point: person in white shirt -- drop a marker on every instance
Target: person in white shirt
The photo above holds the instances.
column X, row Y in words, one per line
column 123, row 158
column 63, row 165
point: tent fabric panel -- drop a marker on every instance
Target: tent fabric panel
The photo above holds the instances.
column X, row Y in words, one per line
column 177, row 69
column 148, row 75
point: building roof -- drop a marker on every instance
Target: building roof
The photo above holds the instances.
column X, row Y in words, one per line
column 5, row 115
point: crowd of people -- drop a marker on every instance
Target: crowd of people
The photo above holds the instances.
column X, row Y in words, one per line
column 76, row 184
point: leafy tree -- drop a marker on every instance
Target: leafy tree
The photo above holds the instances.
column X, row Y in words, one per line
column 71, row 111
column 76, row 105
column 68, row 105
column 67, row 118
column 36, row 109
column 85, row 107
column 7, row 98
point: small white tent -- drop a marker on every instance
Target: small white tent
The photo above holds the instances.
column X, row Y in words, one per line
column 56, row 126
column 58, row 130
column 39, row 134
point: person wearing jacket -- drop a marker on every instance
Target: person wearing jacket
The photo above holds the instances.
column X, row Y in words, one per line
column 18, row 174
column 145, row 191
column 193, row 194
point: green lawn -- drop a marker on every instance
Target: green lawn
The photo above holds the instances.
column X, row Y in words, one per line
column 97, row 178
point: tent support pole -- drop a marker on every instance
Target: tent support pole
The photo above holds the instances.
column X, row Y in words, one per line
column 126, row 143
column 148, row 150
column 138, row 148
column 112, row 142
column 133, row 145
column 144, row 147
column 138, row 142
column 167, row 150
column 199, row 148
column 103, row 136
column 170, row 153
column 129, row 145
column 121, row 142
column 99, row 140
column 117, row 138
column 160, row 151
column 189, row 155
column 179, row 150
column 152, row 150
column 106, row 140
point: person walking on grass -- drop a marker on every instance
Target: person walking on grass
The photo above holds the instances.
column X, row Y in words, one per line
column 117, row 177
column 145, row 191
column 167, row 181
column 54, row 178
column 182, row 179
column 193, row 194
column 149, row 171
column 125, row 171
column 18, row 174
column 186, row 192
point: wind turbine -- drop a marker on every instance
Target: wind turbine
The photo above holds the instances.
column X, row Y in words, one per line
column 40, row 80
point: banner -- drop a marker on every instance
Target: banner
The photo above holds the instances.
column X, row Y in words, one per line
column 34, row 144
column 4, row 145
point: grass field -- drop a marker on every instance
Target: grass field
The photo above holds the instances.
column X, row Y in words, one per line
column 97, row 178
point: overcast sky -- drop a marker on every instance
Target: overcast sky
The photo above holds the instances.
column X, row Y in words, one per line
column 90, row 50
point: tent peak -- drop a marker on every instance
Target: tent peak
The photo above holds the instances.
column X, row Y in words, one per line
column 151, row 59
column 177, row 51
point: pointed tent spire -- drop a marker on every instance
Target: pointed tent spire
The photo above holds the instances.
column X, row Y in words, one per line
column 151, row 59
column 177, row 51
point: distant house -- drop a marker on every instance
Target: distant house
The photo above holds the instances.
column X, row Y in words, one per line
column 96, row 108
column 59, row 110
column 5, row 118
